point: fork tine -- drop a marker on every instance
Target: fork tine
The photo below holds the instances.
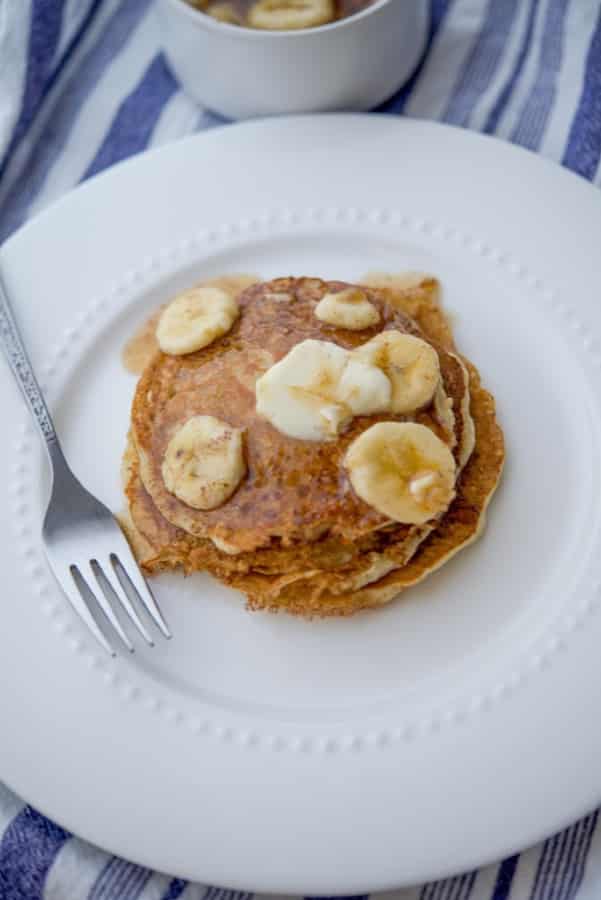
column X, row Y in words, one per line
column 106, row 572
column 75, row 597
column 104, row 603
column 138, row 583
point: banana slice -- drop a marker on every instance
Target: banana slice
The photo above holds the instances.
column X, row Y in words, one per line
column 314, row 391
column 298, row 394
column 468, row 441
column 204, row 462
column 224, row 12
column 363, row 388
column 195, row 319
column 443, row 410
column 411, row 365
column 349, row 308
column 403, row 470
column 282, row 15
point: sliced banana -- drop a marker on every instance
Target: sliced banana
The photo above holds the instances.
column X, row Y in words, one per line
column 195, row 319
column 283, row 15
column 204, row 462
column 297, row 394
column 411, row 365
column 314, row 391
column 468, row 437
column 225, row 546
column 349, row 308
column 402, row 470
column 363, row 388
column 224, row 12
column 445, row 414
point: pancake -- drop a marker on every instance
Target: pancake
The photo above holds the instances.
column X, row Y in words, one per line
column 294, row 491
column 372, row 576
column 161, row 545
column 347, row 563
column 460, row 526
column 332, row 574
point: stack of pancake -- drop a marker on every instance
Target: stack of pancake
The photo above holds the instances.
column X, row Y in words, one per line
column 294, row 534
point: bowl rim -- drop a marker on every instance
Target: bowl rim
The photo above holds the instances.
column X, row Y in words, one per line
column 200, row 18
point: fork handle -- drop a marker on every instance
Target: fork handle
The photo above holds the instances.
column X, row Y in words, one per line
column 21, row 367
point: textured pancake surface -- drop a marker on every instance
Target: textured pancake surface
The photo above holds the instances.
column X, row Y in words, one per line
column 295, row 490
column 304, row 541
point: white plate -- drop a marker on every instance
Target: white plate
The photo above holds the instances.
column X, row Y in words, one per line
column 260, row 751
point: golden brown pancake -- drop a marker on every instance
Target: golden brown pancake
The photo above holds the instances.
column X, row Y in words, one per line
column 326, row 575
column 333, row 588
column 163, row 545
column 460, row 526
column 295, row 491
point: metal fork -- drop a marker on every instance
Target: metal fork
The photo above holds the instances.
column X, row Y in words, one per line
column 82, row 539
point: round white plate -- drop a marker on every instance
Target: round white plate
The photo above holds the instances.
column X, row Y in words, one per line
column 263, row 752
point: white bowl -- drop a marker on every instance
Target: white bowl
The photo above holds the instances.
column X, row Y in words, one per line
column 353, row 64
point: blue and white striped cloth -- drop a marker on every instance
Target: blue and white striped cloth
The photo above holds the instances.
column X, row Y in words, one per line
column 83, row 84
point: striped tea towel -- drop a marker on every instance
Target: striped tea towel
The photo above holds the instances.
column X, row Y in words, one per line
column 83, row 84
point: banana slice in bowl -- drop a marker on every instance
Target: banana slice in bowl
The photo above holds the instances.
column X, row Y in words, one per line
column 289, row 15
column 224, row 12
